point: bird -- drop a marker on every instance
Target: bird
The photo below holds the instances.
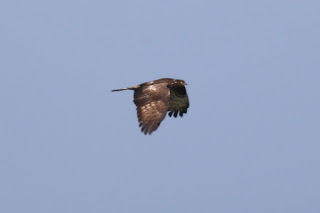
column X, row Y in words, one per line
column 154, row 99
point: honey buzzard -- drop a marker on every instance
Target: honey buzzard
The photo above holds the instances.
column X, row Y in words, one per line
column 155, row 98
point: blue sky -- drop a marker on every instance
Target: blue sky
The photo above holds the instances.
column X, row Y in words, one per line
column 250, row 140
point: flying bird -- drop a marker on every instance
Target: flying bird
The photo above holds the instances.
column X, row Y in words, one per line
column 155, row 98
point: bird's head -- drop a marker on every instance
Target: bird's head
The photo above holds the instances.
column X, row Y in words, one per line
column 182, row 82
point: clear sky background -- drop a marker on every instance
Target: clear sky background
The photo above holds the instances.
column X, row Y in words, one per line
column 249, row 143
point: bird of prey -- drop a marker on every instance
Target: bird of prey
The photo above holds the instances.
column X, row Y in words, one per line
column 155, row 98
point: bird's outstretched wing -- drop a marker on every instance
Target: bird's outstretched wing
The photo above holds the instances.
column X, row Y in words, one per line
column 152, row 106
column 178, row 101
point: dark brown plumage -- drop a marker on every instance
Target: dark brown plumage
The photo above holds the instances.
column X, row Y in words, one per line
column 155, row 98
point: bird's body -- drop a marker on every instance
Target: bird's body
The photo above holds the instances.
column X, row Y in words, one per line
column 155, row 98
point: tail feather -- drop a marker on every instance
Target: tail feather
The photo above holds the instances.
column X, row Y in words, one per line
column 115, row 90
column 128, row 88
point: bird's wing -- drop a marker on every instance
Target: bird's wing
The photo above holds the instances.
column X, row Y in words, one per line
column 152, row 103
column 178, row 101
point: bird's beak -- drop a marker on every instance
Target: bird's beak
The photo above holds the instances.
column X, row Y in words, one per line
column 185, row 83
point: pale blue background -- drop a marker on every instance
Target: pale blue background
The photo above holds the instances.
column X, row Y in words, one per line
column 250, row 140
